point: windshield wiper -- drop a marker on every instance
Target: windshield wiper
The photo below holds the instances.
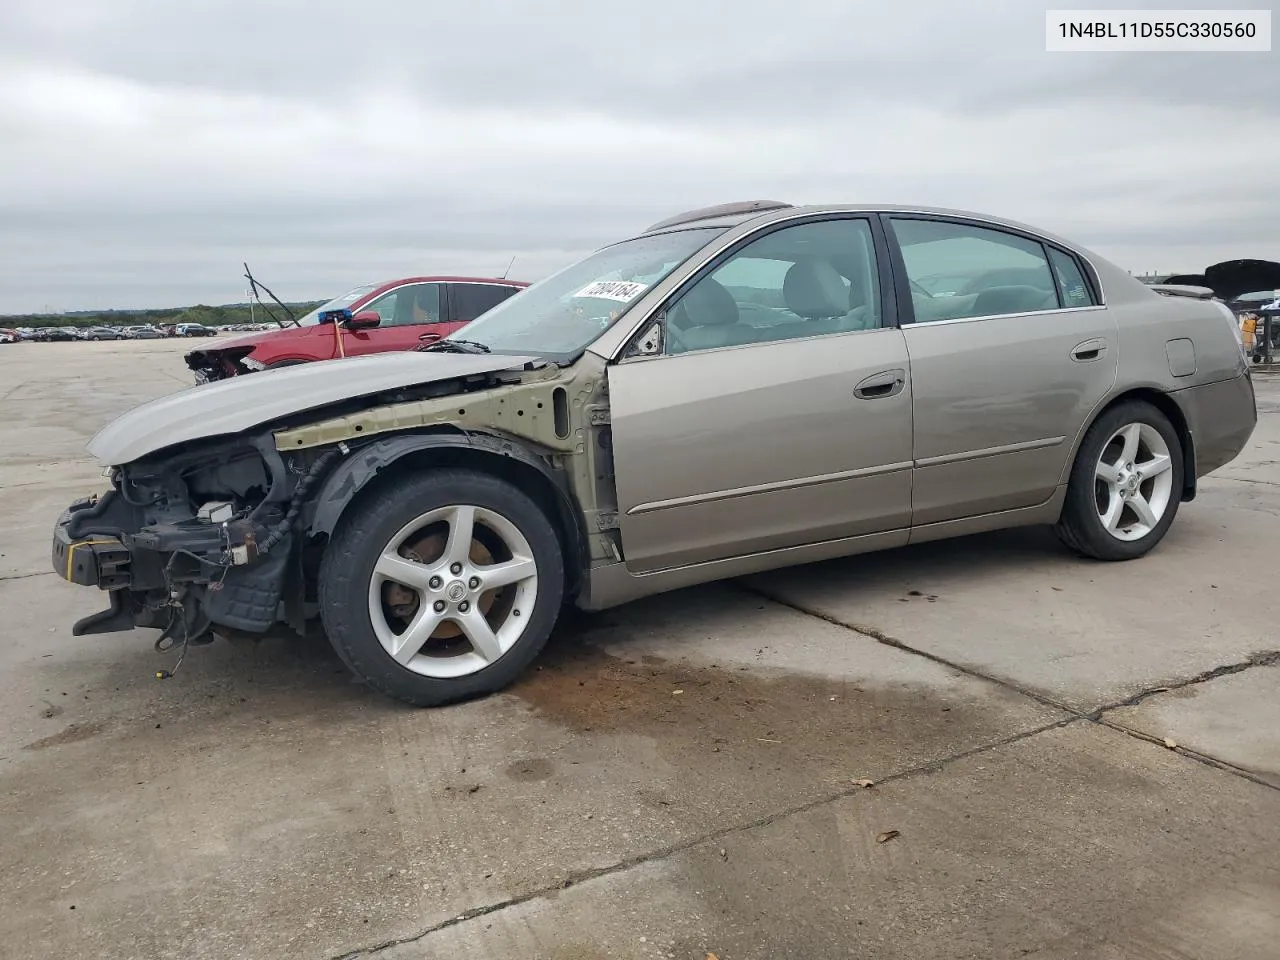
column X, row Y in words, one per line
column 456, row 346
column 254, row 286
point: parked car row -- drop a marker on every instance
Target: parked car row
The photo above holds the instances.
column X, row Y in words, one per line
column 394, row 315
column 135, row 332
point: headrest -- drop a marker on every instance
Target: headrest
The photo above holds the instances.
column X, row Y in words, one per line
column 814, row 289
column 707, row 304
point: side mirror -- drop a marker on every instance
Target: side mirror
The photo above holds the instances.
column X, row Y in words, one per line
column 363, row 320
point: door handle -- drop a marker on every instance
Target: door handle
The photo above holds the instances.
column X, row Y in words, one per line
column 1089, row 350
column 886, row 383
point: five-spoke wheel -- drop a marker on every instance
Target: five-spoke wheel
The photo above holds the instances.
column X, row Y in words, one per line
column 442, row 585
column 451, row 591
column 1133, row 481
column 1125, row 485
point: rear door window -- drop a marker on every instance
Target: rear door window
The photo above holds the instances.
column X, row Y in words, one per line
column 470, row 300
column 960, row 270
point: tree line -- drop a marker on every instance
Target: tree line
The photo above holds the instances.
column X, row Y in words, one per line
column 201, row 313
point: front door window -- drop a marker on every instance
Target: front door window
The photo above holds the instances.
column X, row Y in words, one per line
column 808, row 280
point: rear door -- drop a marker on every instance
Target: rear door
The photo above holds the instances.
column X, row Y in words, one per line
column 1011, row 349
column 776, row 411
column 470, row 300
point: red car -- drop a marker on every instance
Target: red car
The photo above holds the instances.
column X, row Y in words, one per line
column 374, row 318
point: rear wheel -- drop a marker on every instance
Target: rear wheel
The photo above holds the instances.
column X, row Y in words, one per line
column 441, row 586
column 1125, row 485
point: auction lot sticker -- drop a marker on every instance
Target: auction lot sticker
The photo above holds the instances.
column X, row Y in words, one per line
column 623, row 290
column 1157, row 31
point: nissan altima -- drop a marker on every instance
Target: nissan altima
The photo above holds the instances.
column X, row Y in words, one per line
column 734, row 389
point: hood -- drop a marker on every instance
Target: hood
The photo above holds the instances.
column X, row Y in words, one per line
column 1233, row 278
column 241, row 403
column 246, row 340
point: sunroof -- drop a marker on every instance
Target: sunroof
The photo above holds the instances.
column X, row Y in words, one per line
column 720, row 210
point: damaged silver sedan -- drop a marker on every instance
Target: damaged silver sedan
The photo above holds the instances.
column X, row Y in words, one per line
column 736, row 389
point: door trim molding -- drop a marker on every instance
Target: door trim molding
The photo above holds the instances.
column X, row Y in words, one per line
column 924, row 324
column 984, row 452
column 736, row 492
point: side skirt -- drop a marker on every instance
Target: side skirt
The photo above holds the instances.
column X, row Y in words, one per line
column 613, row 584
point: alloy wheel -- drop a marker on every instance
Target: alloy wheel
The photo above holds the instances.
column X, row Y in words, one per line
column 1133, row 481
column 452, row 591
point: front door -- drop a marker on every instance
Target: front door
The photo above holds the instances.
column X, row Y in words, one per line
column 1010, row 352
column 778, row 412
column 407, row 313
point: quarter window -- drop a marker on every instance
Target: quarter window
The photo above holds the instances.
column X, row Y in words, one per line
column 1071, row 283
column 959, row 270
column 802, row 281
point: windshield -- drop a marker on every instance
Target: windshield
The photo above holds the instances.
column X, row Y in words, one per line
column 337, row 303
column 560, row 316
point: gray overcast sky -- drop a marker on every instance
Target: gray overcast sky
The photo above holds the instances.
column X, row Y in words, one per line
column 148, row 146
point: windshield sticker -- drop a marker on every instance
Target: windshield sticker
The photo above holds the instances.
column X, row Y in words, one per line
column 624, row 290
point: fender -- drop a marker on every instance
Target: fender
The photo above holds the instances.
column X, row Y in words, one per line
column 362, row 464
column 1189, row 481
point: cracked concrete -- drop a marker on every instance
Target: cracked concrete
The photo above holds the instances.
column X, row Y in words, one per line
column 1234, row 719
column 679, row 776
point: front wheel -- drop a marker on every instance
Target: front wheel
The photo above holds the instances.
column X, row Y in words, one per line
column 441, row 586
column 1125, row 485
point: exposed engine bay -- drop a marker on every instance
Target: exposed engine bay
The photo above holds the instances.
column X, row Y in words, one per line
column 213, row 364
column 207, row 538
column 223, row 537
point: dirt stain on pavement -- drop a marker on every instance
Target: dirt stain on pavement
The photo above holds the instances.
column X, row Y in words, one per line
column 72, row 734
column 743, row 723
column 530, row 771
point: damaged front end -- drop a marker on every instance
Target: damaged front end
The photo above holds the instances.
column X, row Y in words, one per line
column 194, row 541
column 221, row 363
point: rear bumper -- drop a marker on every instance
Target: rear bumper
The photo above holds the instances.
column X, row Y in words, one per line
column 1221, row 418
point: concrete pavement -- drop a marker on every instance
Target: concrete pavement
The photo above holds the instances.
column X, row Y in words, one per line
column 678, row 776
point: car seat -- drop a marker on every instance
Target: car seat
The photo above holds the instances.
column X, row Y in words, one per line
column 707, row 317
column 815, row 291
column 1012, row 299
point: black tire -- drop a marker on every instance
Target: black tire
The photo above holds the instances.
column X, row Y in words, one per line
column 1080, row 528
column 283, row 363
column 370, row 524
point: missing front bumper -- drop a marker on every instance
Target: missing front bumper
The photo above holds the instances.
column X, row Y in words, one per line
column 93, row 561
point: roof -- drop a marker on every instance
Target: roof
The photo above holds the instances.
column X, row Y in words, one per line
column 378, row 289
column 764, row 211
column 451, row 279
